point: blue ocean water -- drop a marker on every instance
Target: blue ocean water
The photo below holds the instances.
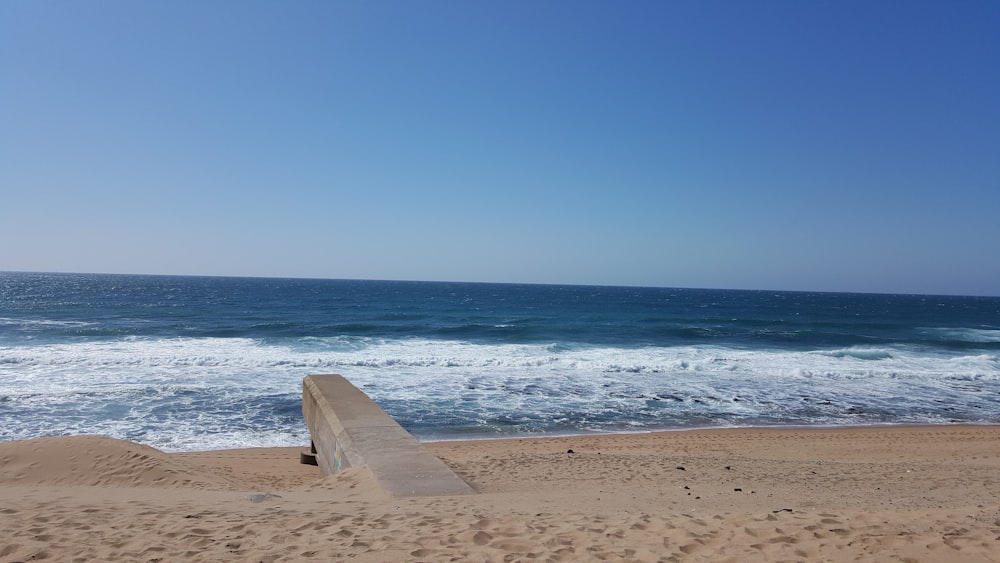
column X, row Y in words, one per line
column 187, row 363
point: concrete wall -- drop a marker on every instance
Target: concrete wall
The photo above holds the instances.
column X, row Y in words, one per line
column 349, row 430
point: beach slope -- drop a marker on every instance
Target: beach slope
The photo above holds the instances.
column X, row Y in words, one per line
column 875, row 494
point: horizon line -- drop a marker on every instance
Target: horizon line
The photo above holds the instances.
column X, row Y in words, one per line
column 569, row 284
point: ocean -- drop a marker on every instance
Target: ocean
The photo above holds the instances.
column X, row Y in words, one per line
column 195, row 363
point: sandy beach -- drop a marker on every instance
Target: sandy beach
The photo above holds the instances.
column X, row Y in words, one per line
column 870, row 494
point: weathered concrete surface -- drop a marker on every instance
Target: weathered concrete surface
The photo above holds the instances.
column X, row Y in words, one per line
column 349, row 430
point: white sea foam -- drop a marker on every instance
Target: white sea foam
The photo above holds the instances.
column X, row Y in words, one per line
column 229, row 360
column 184, row 393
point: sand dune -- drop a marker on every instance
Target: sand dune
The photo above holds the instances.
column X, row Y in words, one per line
column 877, row 494
column 96, row 461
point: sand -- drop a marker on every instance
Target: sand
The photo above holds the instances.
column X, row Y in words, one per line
column 874, row 494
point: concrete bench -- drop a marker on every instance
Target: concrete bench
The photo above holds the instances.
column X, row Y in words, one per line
column 349, row 430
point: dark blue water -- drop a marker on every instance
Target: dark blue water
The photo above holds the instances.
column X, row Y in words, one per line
column 189, row 362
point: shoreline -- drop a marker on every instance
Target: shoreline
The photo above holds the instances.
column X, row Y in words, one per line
column 919, row 493
column 790, row 427
column 545, row 436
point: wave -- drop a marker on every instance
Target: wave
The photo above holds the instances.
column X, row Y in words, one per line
column 168, row 389
column 346, row 352
column 963, row 335
column 30, row 324
column 860, row 353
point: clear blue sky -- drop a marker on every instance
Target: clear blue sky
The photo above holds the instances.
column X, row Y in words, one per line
column 813, row 145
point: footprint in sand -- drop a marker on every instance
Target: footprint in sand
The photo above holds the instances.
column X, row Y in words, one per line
column 514, row 546
column 482, row 538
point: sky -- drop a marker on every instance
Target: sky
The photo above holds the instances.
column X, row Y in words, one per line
column 774, row 144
